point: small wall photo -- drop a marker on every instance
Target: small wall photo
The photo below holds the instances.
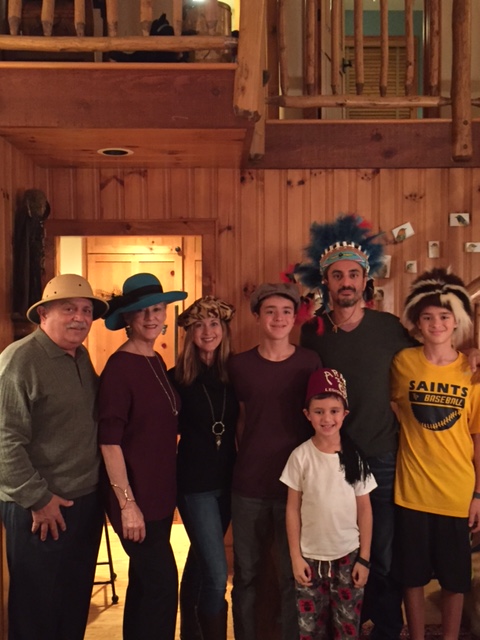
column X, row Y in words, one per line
column 459, row 219
column 403, row 232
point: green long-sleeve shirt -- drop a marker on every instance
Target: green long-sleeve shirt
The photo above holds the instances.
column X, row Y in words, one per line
column 48, row 432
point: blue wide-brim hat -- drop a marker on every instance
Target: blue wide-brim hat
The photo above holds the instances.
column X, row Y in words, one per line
column 139, row 292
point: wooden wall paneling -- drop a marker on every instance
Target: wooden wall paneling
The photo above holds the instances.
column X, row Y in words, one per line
column 458, row 199
column 135, row 194
column 367, row 192
column 16, row 175
column 277, row 216
column 299, row 209
column 181, row 199
column 228, row 283
column 112, row 194
column 247, row 254
column 343, row 200
column 158, row 191
column 62, row 196
column 205, row 193
column 86, row 194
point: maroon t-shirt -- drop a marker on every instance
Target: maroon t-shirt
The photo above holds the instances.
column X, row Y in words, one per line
column 274, row 397
column 135, row 413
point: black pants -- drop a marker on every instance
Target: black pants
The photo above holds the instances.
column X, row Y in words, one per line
column 51, row 581
column 151, row 602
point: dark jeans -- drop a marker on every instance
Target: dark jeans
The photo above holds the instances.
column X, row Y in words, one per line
column 206, row 517
column 151, row 601
column 255, row 522
column 383, row 595
column 51, row 581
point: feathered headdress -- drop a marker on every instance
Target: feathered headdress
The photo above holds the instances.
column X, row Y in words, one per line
column 350, row 237
column 440, row 287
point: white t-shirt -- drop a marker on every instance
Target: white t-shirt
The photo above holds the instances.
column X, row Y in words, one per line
column 329, row 527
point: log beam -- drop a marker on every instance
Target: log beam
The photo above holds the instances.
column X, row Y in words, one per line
column 126, row 43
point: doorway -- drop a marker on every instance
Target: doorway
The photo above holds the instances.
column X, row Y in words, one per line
column 107, row 261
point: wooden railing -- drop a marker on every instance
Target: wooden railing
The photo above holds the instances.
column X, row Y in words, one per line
column 111, row 42
column 318, row 94
column 263, row 45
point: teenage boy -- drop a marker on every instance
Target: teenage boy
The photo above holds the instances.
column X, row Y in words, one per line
column 270, row 381
column 437, row 484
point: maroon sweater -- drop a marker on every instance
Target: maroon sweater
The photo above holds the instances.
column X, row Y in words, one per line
column 274, row 396
column 135, row 413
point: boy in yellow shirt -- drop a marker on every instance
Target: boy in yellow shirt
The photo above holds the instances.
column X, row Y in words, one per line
column 437, row 485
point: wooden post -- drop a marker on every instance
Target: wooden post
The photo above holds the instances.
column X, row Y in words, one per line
column 177, row 16
column 383, row 47
column 257, row 148
column 146, row 16
column 358, row 33
column 433, row 82
column 282, row 47
column 14, row 16
column 336, row 40
column 80, row 18
column 248, row 75
column 273, row 86
column 48, row 12
column 112, row 17
column 461, row 79
column 211, row 16
column 410, row 49
column 311, row 47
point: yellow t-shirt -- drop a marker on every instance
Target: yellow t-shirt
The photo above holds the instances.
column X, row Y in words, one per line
column 439, row 409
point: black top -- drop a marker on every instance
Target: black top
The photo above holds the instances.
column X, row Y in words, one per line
column 364, row 356
column 200, row 465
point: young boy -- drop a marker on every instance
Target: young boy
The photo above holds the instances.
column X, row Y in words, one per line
column 270, row 382
column 437, row 486
column 329, row 516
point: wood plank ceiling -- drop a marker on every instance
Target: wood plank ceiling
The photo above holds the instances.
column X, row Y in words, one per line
column 167, row 115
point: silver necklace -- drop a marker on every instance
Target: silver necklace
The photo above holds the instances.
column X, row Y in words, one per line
column 218, row 428
column 171, row 398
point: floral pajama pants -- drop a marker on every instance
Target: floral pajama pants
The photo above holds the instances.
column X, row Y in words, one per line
column 331, row 607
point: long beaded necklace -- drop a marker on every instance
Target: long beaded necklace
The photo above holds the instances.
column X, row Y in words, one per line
column 171, row 398
column 218, row 427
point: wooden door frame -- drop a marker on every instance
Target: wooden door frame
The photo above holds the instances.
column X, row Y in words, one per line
column 206, row 228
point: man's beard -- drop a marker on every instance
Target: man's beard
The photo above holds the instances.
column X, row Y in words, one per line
column 346, row 303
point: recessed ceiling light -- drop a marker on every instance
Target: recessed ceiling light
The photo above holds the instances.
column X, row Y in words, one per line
column 117, row 152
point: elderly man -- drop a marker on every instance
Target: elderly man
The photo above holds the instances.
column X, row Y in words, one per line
column 49, row 463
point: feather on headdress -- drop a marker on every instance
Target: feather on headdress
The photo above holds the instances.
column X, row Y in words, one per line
column 350, row 237
column 440, row 287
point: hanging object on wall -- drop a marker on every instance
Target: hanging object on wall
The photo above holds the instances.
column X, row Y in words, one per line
column 28, row 251
column 411, row 266
column 384, row 271
column 403, row 232
column 434, row 249
column 460, row 219
column 472, row 247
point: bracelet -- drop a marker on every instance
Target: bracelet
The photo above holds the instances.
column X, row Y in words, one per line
column 127, row 500
column 125, row 493
column 476, row 495
column 363, row 562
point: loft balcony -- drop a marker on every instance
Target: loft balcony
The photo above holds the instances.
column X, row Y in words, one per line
column 301, row 84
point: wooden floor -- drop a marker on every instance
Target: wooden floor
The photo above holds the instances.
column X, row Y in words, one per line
column 105, row 621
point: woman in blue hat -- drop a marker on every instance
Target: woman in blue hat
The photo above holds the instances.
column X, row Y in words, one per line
column 138, row 423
